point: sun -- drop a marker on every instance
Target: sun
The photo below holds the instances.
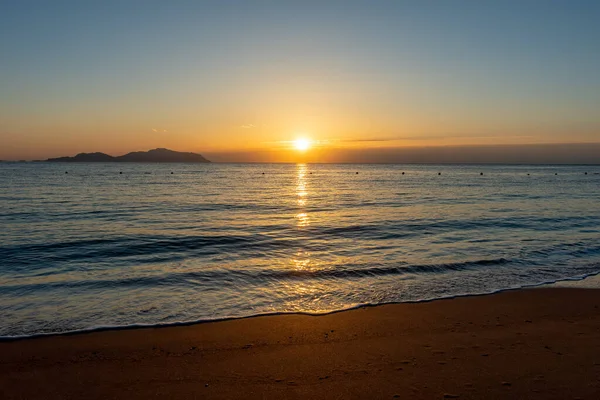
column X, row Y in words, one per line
column 302, row 144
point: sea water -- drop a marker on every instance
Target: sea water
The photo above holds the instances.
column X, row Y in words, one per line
column 84, row 246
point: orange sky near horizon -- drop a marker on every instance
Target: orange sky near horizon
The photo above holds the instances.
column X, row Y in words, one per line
column 252, row 142
column 271, row 136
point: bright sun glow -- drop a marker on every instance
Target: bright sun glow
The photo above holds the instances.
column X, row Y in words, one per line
column 302, row 144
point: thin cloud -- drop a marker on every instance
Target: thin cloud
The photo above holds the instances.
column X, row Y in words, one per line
column 368, row 140
column 159, row 130
column 248, row 126
column 432, row 137
column 460, row 136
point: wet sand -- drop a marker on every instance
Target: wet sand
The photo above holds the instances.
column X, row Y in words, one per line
column 536, row 344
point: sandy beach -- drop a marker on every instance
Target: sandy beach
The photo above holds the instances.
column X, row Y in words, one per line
column 536, row 344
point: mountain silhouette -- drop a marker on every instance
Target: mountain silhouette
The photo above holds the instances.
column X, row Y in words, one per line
column 156, row 155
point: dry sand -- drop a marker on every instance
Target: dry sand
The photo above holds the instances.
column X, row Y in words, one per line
column 526, row 344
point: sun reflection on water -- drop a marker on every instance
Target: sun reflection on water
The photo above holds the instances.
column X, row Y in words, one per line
column 301, row 260
column 302, row 196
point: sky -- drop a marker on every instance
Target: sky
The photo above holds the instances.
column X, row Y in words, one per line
column 242, row 80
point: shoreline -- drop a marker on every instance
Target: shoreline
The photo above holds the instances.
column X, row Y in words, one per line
column 481, row 346
column 576, row 282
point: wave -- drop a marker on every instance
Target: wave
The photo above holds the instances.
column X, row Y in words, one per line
column 142, row 249
column 224, row 277
column 102, row 328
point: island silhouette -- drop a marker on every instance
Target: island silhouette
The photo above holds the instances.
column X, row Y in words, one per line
column 156, row 156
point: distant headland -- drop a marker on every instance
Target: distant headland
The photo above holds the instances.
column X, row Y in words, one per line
column 153, row 156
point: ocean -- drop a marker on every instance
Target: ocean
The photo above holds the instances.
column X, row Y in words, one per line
column 88, row 246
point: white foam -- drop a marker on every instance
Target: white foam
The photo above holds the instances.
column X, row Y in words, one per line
column 591, row 281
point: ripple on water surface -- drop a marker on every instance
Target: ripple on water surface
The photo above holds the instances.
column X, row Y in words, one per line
column 95, row 247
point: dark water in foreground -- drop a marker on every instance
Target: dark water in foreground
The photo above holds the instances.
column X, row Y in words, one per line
column 97, row 248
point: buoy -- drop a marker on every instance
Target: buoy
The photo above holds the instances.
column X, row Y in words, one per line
column 555, row 173
column 263, row 173
column 121, row 173
column 403, row 173
column 171, row 172
column 66, row 172
column 481, row 173
column 527, row 174
column 586, row 173
column 439, row 173
column 357, row 173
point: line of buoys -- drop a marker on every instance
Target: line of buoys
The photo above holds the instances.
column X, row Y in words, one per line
column 310, row 173
column 528, row 174
column 145, row 173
